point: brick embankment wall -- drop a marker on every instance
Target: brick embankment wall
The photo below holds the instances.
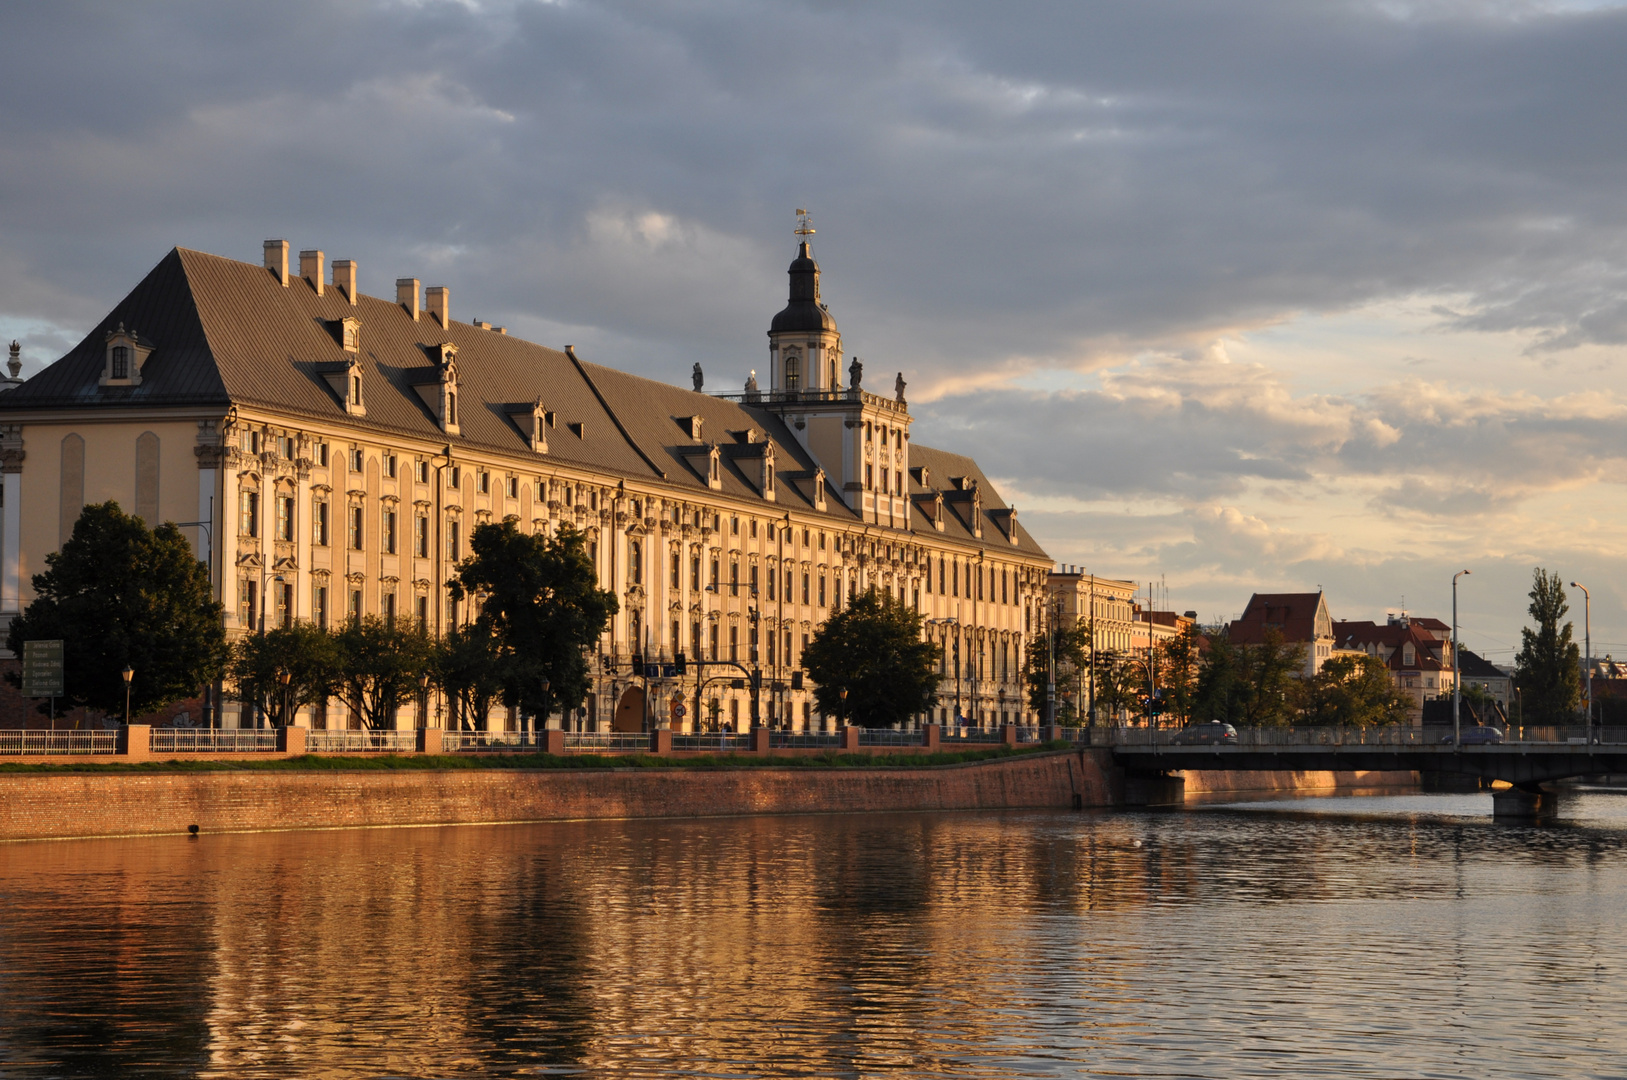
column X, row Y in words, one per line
column 35, row 806
column 1201, row 781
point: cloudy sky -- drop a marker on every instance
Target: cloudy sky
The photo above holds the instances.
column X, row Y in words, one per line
column 1232, row 296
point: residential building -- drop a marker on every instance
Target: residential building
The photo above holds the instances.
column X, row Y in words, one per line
column 338, row 450
column 1297, row 618
column 1476, row 670
column 1416, row 652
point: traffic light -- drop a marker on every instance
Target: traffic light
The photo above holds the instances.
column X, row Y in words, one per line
column 678, row 665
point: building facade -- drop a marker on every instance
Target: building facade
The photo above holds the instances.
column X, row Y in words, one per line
column 1297, row 618
column 330, row 453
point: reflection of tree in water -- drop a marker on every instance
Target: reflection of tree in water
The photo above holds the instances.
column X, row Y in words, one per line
column 527, row 965
column 98, row 969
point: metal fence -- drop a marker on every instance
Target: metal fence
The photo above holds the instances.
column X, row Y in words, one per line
column 591, row 741
column 970, row 735
column 453, row 742
column 1386, row 735
column 804, row 740
column 889, row 737
column 365, row 741
column 723, row 744
column 164, row 740
column 58, row 742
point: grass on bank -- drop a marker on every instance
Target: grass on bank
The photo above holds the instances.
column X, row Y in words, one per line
column 507, row 760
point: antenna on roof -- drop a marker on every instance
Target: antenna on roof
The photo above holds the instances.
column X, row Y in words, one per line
column 804, row 229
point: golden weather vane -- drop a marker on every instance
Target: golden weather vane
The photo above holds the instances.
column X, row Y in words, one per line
column 804, row 228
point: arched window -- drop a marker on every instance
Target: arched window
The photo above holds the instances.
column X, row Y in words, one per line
column 793, row 371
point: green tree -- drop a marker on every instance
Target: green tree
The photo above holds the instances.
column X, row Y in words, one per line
column 1072, row 655
column 471, row 671
column 284, row 669
column 541, row 598
column 382, row 666
column 873, row 649
column 1120, row 684
column 1548, row 669
column 1351, row 690
column 120, row 593
column 1180, row 659
column 1248, row 684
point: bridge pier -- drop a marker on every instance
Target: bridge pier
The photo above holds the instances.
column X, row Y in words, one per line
column 1523, row 804
column 1154, row 789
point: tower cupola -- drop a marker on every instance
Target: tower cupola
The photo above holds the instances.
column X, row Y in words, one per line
column 804, row 346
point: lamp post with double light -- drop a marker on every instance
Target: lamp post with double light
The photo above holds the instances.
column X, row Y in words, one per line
column 1457, row 690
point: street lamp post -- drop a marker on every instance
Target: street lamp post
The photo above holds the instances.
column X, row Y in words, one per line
column 128, row 673
column 284, row 679
column 1587, row 649
column 1457, row 689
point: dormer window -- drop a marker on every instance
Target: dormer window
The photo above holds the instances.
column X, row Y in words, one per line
column 355, row 391
column 350, row 333
column 714, row 469
column 123, row 360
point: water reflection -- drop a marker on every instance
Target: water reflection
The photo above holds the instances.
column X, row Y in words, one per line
column 1377, row 937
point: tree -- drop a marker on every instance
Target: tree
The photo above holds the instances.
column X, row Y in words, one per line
column 1178, row 675
column 1248, row 684
column 1072, row 654
column 471, row 671
column 1548, row 669
column 117, row 594
column 382, row 666
column 1351, row 690
column 540, row 596
column 1120, row 681
column 305, row 653
column 873, row 649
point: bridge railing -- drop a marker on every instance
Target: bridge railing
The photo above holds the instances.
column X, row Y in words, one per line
column 1376, row 735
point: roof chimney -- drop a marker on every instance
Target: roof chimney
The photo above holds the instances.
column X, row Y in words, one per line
column 344, row 278
column 438, row 302
column 406, row 294
column 277, row 260
column 311, row 269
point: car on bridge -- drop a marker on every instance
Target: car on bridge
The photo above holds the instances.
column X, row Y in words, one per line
column 1213, row 733
column 1478, row 735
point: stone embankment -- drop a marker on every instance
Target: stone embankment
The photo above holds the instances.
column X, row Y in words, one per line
column 38, row 806
column 50, row 805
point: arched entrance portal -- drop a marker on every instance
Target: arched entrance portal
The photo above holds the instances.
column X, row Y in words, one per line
column 629, row 710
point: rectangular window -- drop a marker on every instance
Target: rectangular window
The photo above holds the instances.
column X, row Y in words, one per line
column 454, row 550
column 676, row 558
column 753, row 579
column 355, row 605
column 956, row 579
column 248, row 513
column 356, row 528
column 322, row 454
column 285, row 604
column 514, row 487
column 715, row 578
column 423, row 614
column 423, row 472
column 805, row 587
column 821, row 588
column 734, row 643
column 753, row 640
column 388, row 531
column 355, row 459
column 771, row 578
column 319, row 606
column 695, row 571
column 319, row 524
column 714, row 641
column 245, row 602
column 420, row 536
column 734, row 577
column 485, row 482
column 454, row 476
column 734, row 526
column 389, row 609
column 695, row 640
column 389, row 466
column 285, row 518
column 754, row 528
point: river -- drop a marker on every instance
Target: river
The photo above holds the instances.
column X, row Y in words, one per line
column 1386, row 936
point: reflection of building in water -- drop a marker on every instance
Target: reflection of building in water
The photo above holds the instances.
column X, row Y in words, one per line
column 341, row 448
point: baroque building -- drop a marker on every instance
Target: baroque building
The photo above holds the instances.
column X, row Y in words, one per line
column 330, row 453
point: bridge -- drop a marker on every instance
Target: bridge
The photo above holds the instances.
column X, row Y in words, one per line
column 1526, row 760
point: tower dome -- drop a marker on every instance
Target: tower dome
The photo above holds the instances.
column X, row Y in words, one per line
column 803, row 312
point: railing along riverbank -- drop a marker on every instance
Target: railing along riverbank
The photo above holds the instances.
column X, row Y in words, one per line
column 139, row 742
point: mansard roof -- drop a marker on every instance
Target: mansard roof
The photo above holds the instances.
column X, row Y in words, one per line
column 228, row 333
